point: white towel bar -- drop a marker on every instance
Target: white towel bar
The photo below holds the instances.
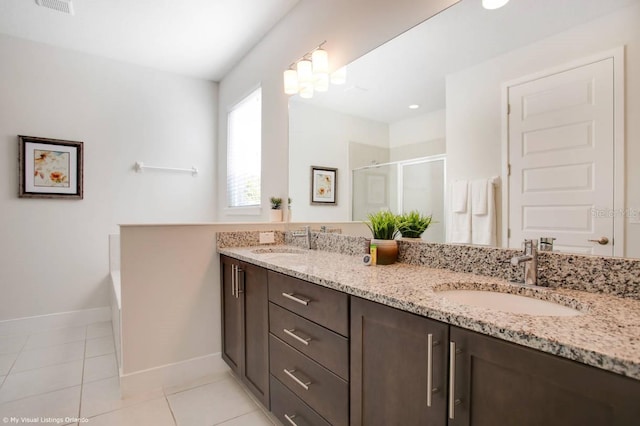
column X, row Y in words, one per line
column 140, row 166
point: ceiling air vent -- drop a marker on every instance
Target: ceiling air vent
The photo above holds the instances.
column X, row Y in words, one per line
column 63, row 6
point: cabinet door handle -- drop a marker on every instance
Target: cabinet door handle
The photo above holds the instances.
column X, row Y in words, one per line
column 233, row 280
column 429, row 368
column 452, row 380
column 301, row 300
column 238, row 272
column 295, row 336
column 304, row 385
column 290, row 419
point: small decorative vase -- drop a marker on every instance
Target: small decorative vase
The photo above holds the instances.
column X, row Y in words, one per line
column 387, row 252
column 275, row 215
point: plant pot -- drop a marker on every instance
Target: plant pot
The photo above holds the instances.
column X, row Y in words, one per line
column 275, row 215
column 387, row 252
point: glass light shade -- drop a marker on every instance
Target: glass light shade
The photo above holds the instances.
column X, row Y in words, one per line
column 494, row 4
column 290, row 82
column 339, row 76
column 321, row 82
column 305, row 72
column 320, row 59
column 306, row 90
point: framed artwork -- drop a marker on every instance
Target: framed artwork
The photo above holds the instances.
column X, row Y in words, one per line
column 323, row 185
column 50, row 168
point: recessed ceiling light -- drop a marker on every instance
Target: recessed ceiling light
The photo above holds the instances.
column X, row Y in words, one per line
column 494, row 4
column 414, row 106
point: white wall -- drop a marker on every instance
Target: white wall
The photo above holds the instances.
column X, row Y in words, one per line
column 419, row 136
column 351, row 28
column 473, row 120
column 54, row 253
column 321, row 137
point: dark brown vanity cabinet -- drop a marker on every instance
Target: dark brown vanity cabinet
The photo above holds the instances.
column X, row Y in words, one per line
column 245, row 324
column 501, row 383
column 309, row 352
column 398, row 367
column 475, row 380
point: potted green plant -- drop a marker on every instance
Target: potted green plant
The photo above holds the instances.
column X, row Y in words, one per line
column 276, row 212
column 384, row 227
column 413, row 224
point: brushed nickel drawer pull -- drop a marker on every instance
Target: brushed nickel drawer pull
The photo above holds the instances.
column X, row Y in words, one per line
column 305, row 385
column 290, row 419
column 295, row 336
column 292, row 296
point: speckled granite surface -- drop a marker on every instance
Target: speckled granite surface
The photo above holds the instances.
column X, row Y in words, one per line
column 244, row 239
column 606, row 335
column 594, row 274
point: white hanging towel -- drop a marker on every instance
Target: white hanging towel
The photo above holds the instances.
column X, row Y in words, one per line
column 459, row 229
column 479, row 196
column 459, row 195
column 483, row 226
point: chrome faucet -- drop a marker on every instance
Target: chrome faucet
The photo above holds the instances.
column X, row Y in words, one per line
column 530, row 260
column 306, row 233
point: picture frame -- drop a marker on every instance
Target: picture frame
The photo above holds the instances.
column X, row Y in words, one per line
column 324, row 186
column 50, row 168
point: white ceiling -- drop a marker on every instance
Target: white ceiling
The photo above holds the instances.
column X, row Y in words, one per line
column 199, row 38
column 411, row 68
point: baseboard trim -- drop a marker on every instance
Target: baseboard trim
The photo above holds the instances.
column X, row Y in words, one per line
column 52, row 321
column 175, row 374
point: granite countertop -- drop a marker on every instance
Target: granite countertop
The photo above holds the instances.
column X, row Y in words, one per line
column 606, row 335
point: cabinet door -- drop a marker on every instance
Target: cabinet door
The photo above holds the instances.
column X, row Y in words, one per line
column 254, row 293
column 390, row 367
column 500, row 383
column 231, row 316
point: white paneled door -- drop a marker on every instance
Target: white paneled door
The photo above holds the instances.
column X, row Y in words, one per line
column 561, row 155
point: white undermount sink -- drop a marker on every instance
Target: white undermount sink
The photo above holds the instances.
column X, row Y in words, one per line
column 507, row 302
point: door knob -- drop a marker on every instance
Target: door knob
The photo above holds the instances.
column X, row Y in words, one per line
column 602, row 241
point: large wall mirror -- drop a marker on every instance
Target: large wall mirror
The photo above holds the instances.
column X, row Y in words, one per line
column 539, row 99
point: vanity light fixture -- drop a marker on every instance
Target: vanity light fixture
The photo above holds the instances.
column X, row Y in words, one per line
column 494, row 4
column 310, row 74
column 414, row 106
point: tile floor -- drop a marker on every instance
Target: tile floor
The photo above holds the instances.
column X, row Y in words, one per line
column 61, row 375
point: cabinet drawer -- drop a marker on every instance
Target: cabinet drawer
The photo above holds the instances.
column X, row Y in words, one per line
column 322, row 390
column 323, row 346
column 290, row 409
column 321, row 305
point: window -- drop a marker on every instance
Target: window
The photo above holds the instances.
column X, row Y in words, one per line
column 244, row 151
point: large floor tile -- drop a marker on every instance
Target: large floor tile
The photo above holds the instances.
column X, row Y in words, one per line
column 210, row 404
column 99, row 329
column 170, row 390
column 41, row 380
column 56, row 337
column 100, row 367
column 255, row 418
column 152, row 413
column 12, row 344
column 100, row 346
column 59, row 404
column 6, row 362
column 103, row 396
column 53, row 355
